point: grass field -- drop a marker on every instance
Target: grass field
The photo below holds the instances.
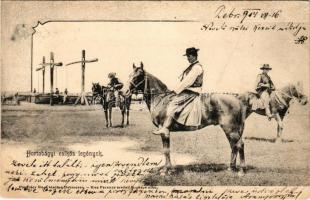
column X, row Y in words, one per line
column 268, row 163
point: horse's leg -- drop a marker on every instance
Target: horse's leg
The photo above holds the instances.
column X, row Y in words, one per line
column 166, row 145
column 110, row 116
column 106, row 118
column 105, row 108
column 280, row 128
column 233, row 157
column 233, row 137
column 240, row 144
column 123, row 114
column 240, row 147
column 127, row 110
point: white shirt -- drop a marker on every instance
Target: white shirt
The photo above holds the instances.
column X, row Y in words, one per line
column 189, row 79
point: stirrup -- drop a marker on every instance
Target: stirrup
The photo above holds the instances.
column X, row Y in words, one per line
column 160, row 131
column 270, row 117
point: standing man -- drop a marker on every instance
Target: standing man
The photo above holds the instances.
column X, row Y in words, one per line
column 65, row 95
column 190, row 87
column 57, row 91
column 264, row 86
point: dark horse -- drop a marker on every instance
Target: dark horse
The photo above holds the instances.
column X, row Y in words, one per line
column 105, row 96
column 217, row 109
column 279, row 103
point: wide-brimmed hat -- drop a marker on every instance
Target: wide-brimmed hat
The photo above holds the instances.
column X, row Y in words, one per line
column 266, row 66
column 111, row 74
column 191, row 51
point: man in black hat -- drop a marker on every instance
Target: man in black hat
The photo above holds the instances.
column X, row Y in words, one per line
column 191, row 81
column 264, row 86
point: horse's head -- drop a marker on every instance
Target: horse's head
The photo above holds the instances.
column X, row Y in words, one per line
column 137, row 78
column 297, row 92
column 95, row 88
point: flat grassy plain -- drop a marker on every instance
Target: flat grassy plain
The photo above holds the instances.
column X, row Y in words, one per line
column 268, row 163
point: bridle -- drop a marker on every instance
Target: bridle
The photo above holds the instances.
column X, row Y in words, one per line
column 144, row 80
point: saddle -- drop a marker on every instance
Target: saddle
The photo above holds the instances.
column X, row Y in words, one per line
column 258, row 103
column 191, row 107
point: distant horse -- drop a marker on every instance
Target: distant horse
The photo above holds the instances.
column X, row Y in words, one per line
column 279, row 103
column 105, row 96
column 10, row 98
column 97, row 93
column 217, row 109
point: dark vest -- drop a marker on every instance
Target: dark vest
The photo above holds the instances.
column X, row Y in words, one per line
column 264, row 78
column 199, row 80
column 114, row 81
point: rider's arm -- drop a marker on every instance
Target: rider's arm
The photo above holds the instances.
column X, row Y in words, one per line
column 272, row 87
column 118, row 84
column 189, row 79
column 258, row 82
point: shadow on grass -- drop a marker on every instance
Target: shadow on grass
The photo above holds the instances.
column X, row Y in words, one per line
column 267, row 140
column 179, row 171
column 119, row 126
column 217, row 174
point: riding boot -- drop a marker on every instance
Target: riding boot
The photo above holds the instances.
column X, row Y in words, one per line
column 165, row 128
column 268, row 113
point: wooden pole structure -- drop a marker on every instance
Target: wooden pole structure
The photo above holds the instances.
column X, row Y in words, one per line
column 83, row 71
column 82, row 98
column 51, row 77
column 52, row 64
column 43, row 73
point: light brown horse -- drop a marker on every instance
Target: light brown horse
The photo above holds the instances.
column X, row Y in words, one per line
column 218, row 109
column 279, row 103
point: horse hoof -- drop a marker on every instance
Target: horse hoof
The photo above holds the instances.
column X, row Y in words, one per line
column 165, row 171
column 278, row 141
column 231, row 169
column 241, row 173
column 162, row 173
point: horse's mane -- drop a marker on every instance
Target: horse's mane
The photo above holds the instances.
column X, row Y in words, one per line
column 225, row 93
column 287, row 87
column 155, row 83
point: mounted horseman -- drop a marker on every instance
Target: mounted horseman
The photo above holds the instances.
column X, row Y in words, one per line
column 272, row 102
column 187, row 109
column 187, row 92
column 264, row 86
column 116, row 85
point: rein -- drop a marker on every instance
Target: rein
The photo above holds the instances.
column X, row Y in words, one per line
column 145, row 81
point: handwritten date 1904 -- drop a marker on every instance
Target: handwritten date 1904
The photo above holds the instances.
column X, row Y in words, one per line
column 247, row 13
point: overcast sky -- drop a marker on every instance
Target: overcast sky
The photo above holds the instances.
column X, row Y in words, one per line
column 231, row 61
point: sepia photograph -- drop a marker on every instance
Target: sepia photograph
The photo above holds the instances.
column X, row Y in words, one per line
column 155, row 99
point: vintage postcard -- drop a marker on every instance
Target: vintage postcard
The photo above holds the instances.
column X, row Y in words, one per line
column 155, row 100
